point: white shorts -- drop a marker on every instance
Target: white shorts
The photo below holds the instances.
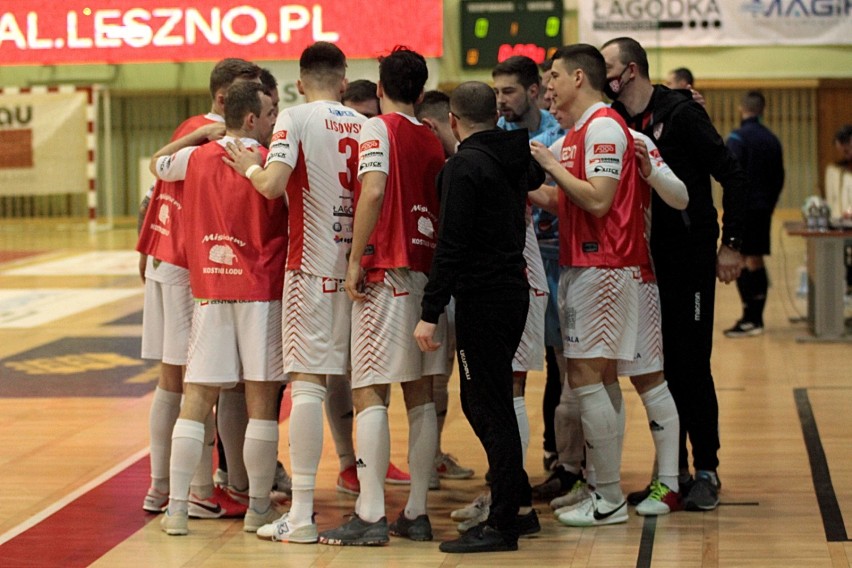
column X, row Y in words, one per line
column 165, row 272
column 383, row 346
column 649, row 343
column 599, row 312
column 233, row 341
column 316, row 319
column 166, row 322
column 530, row 353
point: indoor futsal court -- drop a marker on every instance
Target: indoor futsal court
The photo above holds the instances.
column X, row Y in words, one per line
column 75, row 396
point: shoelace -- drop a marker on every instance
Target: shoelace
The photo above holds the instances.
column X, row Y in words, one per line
column 658, row 491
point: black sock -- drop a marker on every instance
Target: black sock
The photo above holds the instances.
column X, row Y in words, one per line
column 758, row 287
column 744, row 287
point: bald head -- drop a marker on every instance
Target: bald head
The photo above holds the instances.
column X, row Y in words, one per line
column 475, row 103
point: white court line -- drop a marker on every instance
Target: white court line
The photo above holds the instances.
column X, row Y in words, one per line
column 71, row 497
column 95, row 263
column 33, row 307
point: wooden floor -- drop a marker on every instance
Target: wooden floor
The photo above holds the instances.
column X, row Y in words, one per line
column 782, row 403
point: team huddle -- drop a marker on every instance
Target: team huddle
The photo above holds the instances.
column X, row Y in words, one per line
column 339, row 254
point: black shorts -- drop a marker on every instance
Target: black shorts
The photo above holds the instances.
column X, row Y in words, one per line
column 758, row 224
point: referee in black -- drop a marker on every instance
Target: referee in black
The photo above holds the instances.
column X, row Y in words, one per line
column 479, row 260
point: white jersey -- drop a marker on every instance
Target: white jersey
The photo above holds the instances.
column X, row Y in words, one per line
column 535, row 267
column 319, row 140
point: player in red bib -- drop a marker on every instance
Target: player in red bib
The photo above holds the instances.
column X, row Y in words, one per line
column 167, row 313
column 602, row 247
column 236, row 251
column 394, row 237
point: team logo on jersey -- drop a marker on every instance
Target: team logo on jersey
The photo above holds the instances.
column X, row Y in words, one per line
column 280, row 135
column 603, row 149
column 368, row 145
column 426, row 227
column 658, row 130
column 163, row 214
column 222, row 254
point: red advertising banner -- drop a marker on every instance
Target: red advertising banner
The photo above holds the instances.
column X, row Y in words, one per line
column 46, row 32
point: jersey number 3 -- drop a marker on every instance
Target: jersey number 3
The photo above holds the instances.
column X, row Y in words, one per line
column 349, row 148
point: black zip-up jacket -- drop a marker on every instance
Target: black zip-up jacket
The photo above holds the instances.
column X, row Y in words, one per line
column 760, row 155
column 691, row 146
column 482, row 231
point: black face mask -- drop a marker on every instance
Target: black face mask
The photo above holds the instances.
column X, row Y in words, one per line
column 614, row 87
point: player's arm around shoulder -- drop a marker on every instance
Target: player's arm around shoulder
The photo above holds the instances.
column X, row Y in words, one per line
column 163, row 162
column 657, row 173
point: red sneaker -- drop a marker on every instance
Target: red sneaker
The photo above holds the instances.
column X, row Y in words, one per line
column 396, row 476
column 347, row 481
column 219, row 505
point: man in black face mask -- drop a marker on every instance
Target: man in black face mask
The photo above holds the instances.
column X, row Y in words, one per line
column 683, row 247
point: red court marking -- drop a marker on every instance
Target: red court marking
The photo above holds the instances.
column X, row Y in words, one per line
column 93, row 524
column 10, row 255
column 87, row 528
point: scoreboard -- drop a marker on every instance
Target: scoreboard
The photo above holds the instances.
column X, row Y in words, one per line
column 494, row 30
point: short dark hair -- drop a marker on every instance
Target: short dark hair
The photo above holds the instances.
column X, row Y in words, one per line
column 684, row 74
column 242, row 98
column 630, row 51
column 435, row 105
column 403, row 74
column 524, row 68
column 229, row 70
column 586, row 57
column 268, row 80
column 844, row 135
column 476, row 102
column 359, row 91
column 754, row 102
column 323, row 61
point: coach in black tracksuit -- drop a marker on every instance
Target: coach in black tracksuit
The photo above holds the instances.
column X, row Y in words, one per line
column 683, row 248
column 479, row 260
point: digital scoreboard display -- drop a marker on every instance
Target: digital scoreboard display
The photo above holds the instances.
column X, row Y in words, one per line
column 494, row 30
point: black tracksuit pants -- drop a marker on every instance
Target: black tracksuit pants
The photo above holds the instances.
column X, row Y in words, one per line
column 686, row 276
column 488, row 333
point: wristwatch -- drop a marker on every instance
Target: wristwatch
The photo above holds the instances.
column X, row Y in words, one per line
column 734, row 243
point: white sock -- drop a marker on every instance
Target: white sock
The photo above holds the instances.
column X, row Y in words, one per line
column 665, row 429
column 422, row 445
column 306, row 437
column 260, row 454
column 569, row 431
column 165, row 408
column 187, row 445
column 339, row 413
column 441, row 398
column 232, row 418
column 617, row 399
column 600, row 428
column 202, row 482
column 373, row 435
column 523, row 426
